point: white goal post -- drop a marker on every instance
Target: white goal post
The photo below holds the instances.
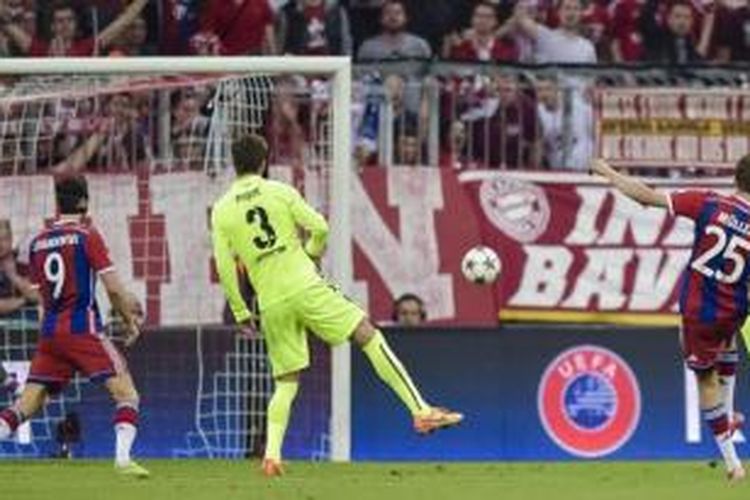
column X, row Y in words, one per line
column 339, row 71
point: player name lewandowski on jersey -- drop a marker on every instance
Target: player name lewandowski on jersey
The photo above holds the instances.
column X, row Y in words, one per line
column 56, row 242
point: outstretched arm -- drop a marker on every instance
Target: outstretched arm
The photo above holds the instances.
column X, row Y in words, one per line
column 522, row 21
column 83, row 154
column 631, row 187
column 18, row 36
column 707, row 33
column 121, row 23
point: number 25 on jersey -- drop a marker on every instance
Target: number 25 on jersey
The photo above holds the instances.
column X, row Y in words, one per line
column 732, row 248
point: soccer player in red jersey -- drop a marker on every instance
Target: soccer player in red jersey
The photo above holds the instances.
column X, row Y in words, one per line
column 64, row 262
column 714, row 295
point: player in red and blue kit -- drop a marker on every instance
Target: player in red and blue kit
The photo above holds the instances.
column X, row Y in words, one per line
column 65, row 261
column 714, row 295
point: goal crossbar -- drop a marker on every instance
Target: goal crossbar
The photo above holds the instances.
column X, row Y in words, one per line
column 129, row 65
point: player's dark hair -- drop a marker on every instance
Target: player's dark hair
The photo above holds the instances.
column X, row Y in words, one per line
column 72, row 195
column 64, row 5
column 249, row 152
column 742, row 174
column 680, row 3
column 409, row 297
column 488, row 5
column 402, row 3
column 582, row 3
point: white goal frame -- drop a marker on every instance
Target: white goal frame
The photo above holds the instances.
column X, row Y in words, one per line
column 339, row 69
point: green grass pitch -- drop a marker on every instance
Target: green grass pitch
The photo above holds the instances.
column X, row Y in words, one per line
column 225, row 480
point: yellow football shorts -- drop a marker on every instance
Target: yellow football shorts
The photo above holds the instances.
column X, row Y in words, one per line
column 321, row 309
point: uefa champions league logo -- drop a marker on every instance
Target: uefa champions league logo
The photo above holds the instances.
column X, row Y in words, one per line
column 589, row 401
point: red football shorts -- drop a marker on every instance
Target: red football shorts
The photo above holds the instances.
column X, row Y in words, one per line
column 57, row 359
column 702, row 342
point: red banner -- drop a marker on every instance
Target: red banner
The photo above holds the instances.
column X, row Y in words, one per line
column 571, row 248
column 574, row 249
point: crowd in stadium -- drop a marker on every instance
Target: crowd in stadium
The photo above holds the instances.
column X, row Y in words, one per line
column 679, row 31
column 513, row 118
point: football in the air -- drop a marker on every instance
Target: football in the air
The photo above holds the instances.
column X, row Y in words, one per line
column 481, row 265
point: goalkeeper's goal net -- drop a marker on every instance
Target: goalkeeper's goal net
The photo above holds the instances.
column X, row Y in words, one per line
column 153, row 136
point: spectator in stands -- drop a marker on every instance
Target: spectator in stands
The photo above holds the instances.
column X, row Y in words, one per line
column 366, row 109
column 596, row 25
column 314, row 27
column 66, row 40
column 408, row 147
column 409, row 310
column 566, row 126
column 673, row 42
column 408, row 108
column 394, row 42
column 186, row 115
column 453, row 151
column 188, row 151
column 178, row 23
column 239, row 27
column 189, row 132
column 16, row 13
column 364, row 17
column 483, row 41
column 503, row 127
column 433, row 19
column 732, row 31
column 404, row 105
column 288, row 133
column 627, row 40
column 126, row 147
column 56, row 154
column 561, row 45
column 27, row 21
column 133, row 41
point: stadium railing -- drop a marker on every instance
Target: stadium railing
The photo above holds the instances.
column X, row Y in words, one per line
column 465, row 116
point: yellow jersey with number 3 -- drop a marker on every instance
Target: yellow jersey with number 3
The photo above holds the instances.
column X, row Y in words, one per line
column 259, row 221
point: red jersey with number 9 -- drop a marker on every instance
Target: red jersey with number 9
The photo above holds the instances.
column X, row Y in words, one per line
column 64, row 262
column 715, row 283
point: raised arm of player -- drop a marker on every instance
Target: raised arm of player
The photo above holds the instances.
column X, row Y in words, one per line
column 313, row 222
column 226, row 267
column 631, row 187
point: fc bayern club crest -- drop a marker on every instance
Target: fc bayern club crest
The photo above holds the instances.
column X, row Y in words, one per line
column 589, row 401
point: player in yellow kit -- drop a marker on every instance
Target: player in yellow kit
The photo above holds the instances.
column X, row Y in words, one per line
column 259, row 221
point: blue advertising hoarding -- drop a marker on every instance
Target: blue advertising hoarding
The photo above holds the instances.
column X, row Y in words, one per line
column 539, row 392
column 529, row 392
